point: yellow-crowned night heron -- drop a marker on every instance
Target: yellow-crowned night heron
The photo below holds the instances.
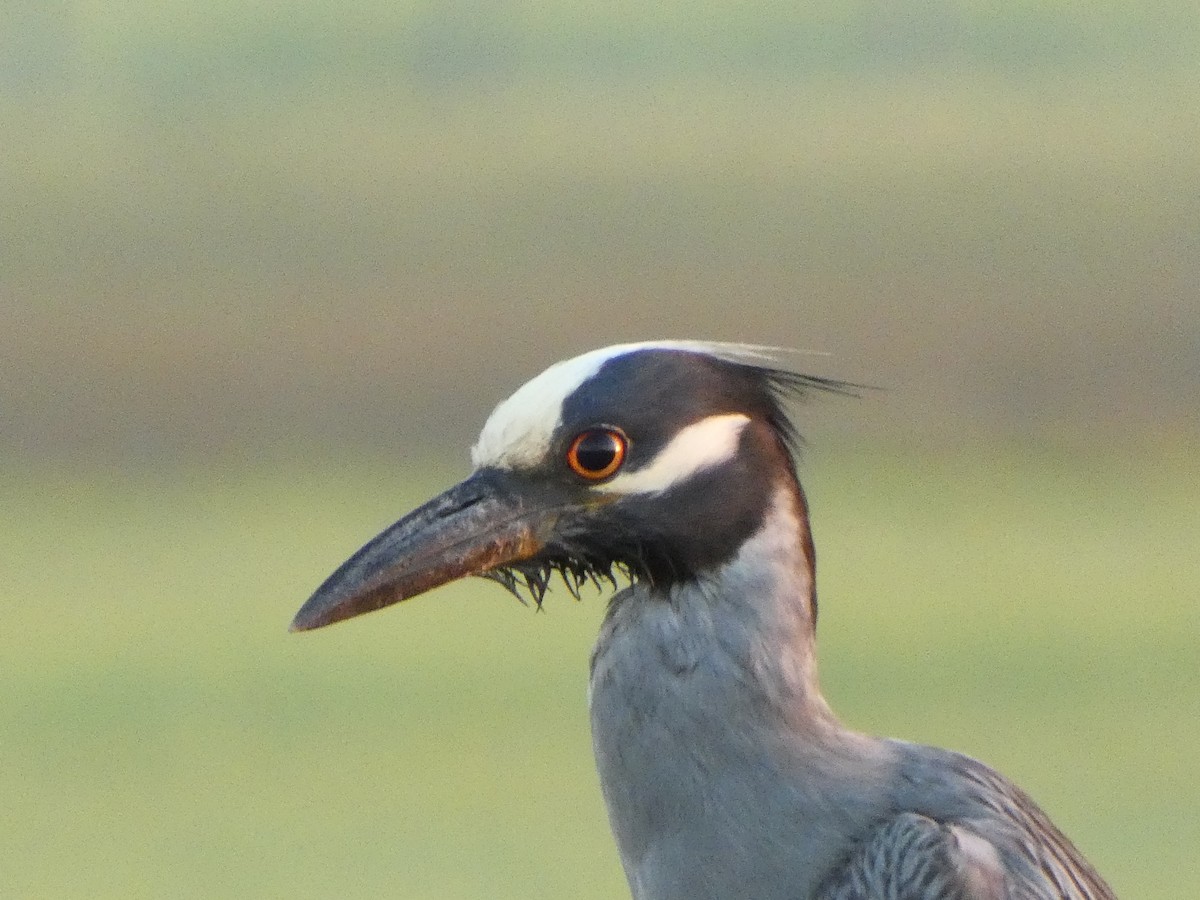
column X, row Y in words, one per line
column 725, row 773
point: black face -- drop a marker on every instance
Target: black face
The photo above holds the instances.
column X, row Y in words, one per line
column 519, row 527
column 647, row 398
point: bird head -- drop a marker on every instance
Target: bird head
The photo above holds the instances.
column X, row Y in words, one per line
column 654, row 461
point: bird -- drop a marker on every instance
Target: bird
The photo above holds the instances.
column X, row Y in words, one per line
column 668, row 470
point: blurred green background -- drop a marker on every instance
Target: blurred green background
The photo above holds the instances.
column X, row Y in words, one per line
column 265, row 267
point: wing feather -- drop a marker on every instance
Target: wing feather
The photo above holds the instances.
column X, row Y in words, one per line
column 963, row 832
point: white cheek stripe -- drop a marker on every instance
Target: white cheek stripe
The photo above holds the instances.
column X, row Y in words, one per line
column 697, row 447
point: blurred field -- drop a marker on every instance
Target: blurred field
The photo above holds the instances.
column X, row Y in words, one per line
column 261, row 263
column 163, row 735
column 229, row 225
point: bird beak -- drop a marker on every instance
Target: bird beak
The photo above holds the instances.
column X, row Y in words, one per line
column 485, row 522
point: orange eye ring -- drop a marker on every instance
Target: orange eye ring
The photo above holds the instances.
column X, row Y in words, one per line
column 597, row 453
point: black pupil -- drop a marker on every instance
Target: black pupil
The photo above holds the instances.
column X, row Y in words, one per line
column 596, row 451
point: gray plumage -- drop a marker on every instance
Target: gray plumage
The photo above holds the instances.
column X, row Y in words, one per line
column 724, row 771
column 726, row 775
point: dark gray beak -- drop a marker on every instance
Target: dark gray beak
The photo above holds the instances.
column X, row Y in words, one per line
column 486, row 522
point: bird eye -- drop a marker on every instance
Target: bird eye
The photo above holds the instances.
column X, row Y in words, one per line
column 597, row 453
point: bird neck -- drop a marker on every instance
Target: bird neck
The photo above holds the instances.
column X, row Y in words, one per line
column 738, row 639
column 764, row 600
column 710, row 732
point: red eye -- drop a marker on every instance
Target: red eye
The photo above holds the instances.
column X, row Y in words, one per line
column 597, row 453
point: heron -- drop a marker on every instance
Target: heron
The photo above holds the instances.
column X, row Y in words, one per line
column 668, row 468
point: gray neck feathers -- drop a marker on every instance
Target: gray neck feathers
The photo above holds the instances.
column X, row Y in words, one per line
column 710, row 731
column 760, row 608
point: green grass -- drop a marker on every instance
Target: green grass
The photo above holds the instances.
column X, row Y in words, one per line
column 163, row 734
